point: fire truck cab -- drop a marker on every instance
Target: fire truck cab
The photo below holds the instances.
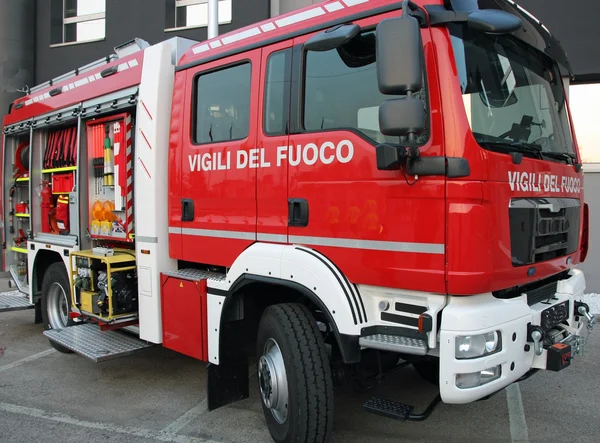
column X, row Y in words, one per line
column 323, row 196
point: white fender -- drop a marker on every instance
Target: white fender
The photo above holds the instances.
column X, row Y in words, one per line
column 297, row 264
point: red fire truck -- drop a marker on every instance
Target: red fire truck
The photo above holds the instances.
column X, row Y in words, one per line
column 326, row 195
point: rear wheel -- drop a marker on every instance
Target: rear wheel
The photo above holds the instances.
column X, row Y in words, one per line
column 294, row 376
column 56, row 301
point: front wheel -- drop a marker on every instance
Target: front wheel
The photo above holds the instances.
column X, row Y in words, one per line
column 294, row 376
column 56, row 301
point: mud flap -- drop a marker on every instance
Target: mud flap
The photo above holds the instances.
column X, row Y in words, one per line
column 228, row 382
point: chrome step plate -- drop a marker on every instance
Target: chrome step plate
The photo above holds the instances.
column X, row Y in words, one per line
column 14, row 301
column 195, row 275
column 88, row 340
column 395, row 343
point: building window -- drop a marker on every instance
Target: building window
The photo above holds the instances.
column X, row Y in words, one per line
column 582, row 100
column 223, row 105
column 341, row 90
column 80, row 21
column 194, row 13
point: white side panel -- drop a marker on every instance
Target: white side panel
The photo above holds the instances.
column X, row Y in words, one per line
column 32, row 254
column 307, row 268
column 214, row 308
column 151, row 176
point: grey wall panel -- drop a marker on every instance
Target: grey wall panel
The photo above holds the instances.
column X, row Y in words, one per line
column 591, row 266
column 126, row 19
column 17, row 20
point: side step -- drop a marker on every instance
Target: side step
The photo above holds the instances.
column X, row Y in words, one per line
column 399, row 411
column 20, row 280
column 14, row 301
column 395, row 343
column 88, row 340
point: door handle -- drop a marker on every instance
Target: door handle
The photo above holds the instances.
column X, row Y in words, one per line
column 297, row 212
column 187, row 209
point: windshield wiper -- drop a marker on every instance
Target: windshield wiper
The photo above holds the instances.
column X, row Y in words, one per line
column 508, row 147
column 569, row 157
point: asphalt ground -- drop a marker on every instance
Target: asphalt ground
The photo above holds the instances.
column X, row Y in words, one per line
column 159, row 395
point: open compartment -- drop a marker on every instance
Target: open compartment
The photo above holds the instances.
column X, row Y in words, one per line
column 17, row 196
column 110, row 177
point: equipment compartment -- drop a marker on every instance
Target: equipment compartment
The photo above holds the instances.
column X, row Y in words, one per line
column 110, row 172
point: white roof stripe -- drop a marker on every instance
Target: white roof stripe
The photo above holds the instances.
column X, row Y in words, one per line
column 268, row 27
column 335, row 6
column 300, row 17
column 133, row 63
column 201, row 48
column 241, row 35
column 215, row 44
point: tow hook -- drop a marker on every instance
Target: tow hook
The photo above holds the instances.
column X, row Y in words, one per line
column 536, row 335
column 584, row 309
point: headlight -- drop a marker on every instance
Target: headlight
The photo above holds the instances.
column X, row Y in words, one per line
column 473, row 346
column 474, row 379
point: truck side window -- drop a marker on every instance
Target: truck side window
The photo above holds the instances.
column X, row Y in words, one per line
column 341, row 91
column 223, row 105
column 277, row 92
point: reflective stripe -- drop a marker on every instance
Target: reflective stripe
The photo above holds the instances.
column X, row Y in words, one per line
column 425, row 248
column 275, row 238
column 147, row 239
column 393, row 246
column 236, row 235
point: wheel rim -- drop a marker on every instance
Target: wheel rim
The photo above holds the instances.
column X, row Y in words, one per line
column 58, row 307
column 272, row 379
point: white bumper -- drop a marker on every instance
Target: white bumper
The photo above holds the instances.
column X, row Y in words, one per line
column 485, row 313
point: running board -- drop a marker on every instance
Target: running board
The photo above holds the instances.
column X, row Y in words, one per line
column 89, row 341
column 395, row 343
column 399, row 411
column 14, row 301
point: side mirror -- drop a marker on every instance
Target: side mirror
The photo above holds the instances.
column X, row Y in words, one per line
column 398, row 54
column 332, row 38
column 402, row 116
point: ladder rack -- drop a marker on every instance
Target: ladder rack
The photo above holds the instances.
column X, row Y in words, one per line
column 122, row 50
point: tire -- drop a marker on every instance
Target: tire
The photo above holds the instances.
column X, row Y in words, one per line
column 428, row 370
column 294, row 376
column 56, row 301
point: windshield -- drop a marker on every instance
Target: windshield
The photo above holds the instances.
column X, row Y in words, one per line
column 512, row 93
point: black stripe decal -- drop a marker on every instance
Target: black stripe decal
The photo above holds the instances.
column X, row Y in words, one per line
column 219, row 292
column 337, row 278
column 361, row 302
column 400, row 319
column 411, row 309
column 290, row 35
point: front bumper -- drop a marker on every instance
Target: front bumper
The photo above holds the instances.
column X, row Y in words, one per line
column 514, row 318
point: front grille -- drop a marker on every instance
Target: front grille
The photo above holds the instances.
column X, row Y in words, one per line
column 542, row 293
column 542, row 229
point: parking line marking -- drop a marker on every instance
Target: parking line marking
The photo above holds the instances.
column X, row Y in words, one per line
column 516, row 414
column 137, row 432
column 186, row 418
column 27, row 360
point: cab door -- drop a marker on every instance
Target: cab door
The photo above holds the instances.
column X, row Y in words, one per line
column 219, row 159
column 272, row 189
column 380, row 228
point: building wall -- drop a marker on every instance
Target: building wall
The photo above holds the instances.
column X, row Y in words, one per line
column 125, row 20
column 16, row 49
